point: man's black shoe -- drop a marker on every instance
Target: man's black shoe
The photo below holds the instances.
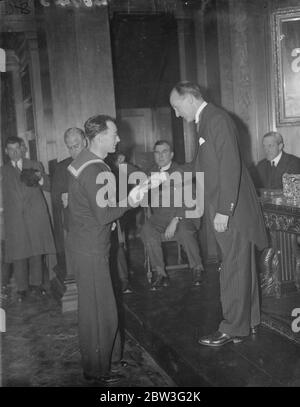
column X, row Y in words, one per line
column 161, row 281
column 118, row 366
column 21, row 295
column 107, row 379
column 111, row 378
column 127, row 290
column 219, row 267
column 4, row 294
column 254, row 330
column 38, row 291
column 197, row 276
column 218, row 339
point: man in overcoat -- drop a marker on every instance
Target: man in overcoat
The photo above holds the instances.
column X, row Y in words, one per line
column 231, row 205
column 28, row 233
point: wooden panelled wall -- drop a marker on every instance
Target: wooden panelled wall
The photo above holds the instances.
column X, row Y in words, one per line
column 76, row 71
column 71, row 70
column 245, row 74
column 244, row 81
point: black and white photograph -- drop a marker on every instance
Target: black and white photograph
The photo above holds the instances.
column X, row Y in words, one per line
column 149, row 197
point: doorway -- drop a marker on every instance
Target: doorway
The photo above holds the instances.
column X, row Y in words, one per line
column 146, row 66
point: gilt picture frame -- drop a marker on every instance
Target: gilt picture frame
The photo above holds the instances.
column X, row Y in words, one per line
column 286, row 56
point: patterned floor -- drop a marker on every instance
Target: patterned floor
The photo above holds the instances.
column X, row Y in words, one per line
column 40, row 348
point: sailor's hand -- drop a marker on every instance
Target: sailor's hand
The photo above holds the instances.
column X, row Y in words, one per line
column 135, row 197
column 64, row 198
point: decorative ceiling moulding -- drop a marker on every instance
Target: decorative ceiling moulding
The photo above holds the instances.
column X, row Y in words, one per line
column 23, row 8
column 145, row 6
column 74, row 3
column 132, row 6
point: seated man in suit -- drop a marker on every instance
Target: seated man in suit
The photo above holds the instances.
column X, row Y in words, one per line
column 270, row 170
column 75, row 141
column 165, row 220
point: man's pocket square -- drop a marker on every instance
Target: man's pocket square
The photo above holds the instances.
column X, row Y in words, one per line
column 201, row 141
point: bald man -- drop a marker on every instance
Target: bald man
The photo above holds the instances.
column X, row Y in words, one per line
column 75, row 142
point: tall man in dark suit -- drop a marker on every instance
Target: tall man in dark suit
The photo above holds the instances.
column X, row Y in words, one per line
column 277, row 162
column 75, row 142
column 231, row 205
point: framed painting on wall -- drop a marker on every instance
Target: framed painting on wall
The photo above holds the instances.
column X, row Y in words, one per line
column 286, row 53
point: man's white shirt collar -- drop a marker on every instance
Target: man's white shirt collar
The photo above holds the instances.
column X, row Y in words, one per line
column 18, row 164
column 276, row 159
column 197, row 115
column 166, row 167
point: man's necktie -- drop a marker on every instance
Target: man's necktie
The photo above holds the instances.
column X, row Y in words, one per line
column 17, row 167
column 272, row 175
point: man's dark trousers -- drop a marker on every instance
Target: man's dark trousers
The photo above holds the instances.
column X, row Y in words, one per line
column 99, row 336
column 238, row 284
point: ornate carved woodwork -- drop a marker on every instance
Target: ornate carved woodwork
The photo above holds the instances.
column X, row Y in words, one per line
column 280, row 263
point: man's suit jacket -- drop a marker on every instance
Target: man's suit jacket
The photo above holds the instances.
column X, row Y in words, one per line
column 271, row 178
column 228, row 188
column 164, row 215
column 26, row 218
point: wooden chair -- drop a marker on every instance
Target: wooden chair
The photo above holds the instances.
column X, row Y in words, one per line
column 177, row 266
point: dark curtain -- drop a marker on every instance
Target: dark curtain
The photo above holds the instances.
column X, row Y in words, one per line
column 146, row 64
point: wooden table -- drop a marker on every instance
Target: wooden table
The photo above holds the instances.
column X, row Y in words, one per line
column 280, row 271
